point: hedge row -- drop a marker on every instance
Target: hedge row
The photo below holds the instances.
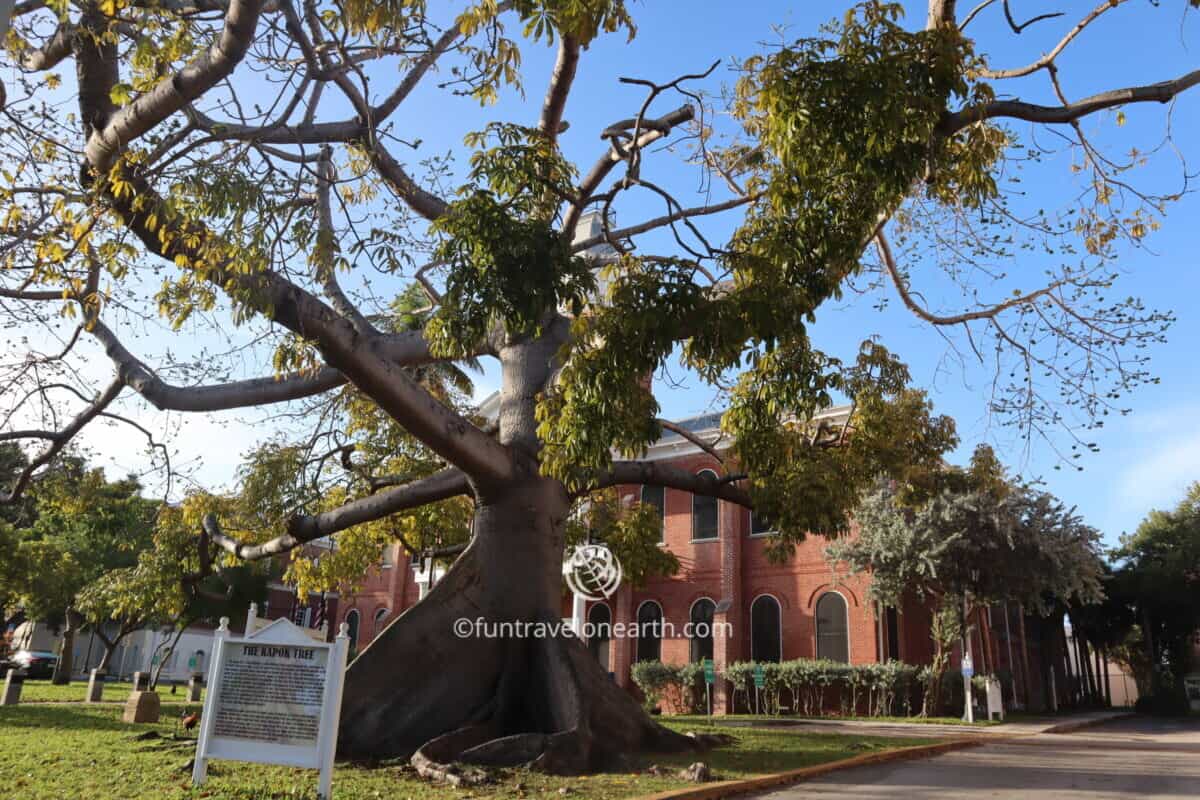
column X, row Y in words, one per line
column 807, row 686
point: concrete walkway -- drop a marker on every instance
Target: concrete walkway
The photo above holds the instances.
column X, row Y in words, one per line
column 1128, row 758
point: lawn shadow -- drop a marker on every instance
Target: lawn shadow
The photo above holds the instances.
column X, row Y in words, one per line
column 71, row 716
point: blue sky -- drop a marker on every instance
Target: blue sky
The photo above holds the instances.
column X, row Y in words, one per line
column 1146, row 459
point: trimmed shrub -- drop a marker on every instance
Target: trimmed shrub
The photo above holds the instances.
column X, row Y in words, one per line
column 811, row 687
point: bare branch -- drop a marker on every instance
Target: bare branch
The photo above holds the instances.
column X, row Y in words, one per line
column 326, row 243
column 1061, row 115
column 691, row 437
column 60, row 439
column 974, row 12
column 1018, row 27
column 654, row 129
column 1048, row 58
column 664, row 220
column 989, row 312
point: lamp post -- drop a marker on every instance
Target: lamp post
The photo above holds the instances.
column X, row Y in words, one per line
column 968, row 664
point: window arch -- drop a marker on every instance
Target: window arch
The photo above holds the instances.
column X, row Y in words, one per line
column 766, row 631
column 649, row 632
column 380, row 618
column 704, row 514
column 701, row 633
column 352, row 628
column 599, row 632
column 657, row 496
column 833, row 629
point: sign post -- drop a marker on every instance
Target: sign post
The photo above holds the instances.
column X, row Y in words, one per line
column 968, row 670
column 760, row 680
column 274, row 697
column 710, row 677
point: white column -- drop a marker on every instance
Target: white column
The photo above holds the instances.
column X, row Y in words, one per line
column 577, row 612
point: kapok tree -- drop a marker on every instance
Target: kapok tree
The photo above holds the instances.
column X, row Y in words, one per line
column 242, row 166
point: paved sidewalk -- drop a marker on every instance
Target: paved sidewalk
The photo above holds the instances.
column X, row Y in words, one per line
column 1141, row 757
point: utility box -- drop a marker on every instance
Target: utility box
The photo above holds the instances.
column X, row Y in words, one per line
column 1191, row 685
column 995, row 699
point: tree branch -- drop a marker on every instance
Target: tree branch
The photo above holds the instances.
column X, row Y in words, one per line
column 60, row 440
column 893, row 272
column 654, row 129
column 560, row 87
column 326, row 244
column 215, row 397
column 1048, row 58
column 306, row 528
column 1060, row 115
column 173, row 92
column 52, row 52
column 656, row 473
column 664, row 220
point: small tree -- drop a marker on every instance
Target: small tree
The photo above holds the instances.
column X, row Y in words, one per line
column 970, row 541
column 1158, row 573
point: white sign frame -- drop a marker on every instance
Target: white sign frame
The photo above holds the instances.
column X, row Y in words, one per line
column 285, row 633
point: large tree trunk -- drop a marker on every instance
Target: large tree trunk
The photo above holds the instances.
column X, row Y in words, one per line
column 424, row 689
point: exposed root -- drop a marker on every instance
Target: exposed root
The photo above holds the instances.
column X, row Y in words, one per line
column 434, row 761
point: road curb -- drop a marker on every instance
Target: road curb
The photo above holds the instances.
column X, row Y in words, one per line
column 712, row 791
column 1071, row 727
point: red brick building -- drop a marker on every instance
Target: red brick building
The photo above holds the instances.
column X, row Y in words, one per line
column 755, row 609
column 759, row 610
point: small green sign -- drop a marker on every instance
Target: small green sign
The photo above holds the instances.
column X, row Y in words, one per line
column 710, row 671
column 760, row 677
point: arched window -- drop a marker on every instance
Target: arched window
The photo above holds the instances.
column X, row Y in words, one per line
column 352, row 629
column 833, row 631
column 599, row 632
column 766, row 640
column 380, row 618
column 704, row 514
column 701, row 633
column 657, row 496
column 649, row 632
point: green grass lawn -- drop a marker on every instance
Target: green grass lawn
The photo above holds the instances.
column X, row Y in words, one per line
column 52, row 751
column 74, row 692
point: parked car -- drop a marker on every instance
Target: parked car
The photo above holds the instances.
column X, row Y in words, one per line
column 35, row 663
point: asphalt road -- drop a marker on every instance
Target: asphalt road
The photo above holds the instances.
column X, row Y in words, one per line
column 1129, row 758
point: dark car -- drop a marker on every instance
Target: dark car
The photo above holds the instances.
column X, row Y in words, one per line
column 35, row 663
